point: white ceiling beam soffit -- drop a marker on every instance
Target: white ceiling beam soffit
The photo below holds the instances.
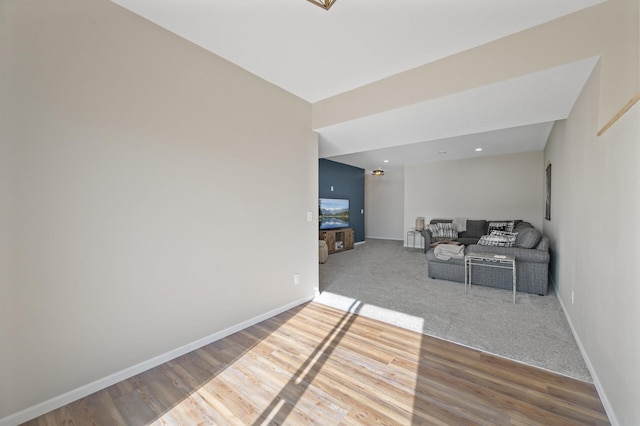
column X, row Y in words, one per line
column 540, row 97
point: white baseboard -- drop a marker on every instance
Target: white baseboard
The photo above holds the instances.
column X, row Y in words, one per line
column 418, row 246
column 383, row 238
column 75, row 394
column 404, row 243
column 596, row 381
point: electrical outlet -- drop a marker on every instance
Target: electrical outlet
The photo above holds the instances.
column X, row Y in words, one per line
column 296, row 279
column 572, row 297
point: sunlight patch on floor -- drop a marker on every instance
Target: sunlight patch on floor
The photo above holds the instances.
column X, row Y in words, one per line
column 401, row 319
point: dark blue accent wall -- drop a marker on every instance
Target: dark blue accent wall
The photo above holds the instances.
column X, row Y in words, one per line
column 347, row 182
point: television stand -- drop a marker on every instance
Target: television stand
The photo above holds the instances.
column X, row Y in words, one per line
column 338, row 239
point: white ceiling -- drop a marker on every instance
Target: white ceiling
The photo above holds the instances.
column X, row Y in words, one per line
column 316, row 54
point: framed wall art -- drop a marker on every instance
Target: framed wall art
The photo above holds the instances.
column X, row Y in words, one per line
column 547, row 208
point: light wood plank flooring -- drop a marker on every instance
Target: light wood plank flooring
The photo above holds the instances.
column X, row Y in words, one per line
column 317, row 365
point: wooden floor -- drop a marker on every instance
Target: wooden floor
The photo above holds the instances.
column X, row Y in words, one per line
column 317, row 365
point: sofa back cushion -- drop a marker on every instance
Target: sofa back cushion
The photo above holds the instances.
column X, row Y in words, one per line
column 521, row 226
column 528, row 237
column 475, row 229
column 432, row 221
column 543, row 244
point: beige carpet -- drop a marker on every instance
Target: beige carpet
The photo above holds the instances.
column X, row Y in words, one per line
column 390, row 283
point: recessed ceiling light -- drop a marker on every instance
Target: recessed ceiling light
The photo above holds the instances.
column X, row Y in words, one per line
column 442, row 152
column 478, row 149
column 386, row 161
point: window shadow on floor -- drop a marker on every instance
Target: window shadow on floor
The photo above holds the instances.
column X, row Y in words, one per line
column 277, row 412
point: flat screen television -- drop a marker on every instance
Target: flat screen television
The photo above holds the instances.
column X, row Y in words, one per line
column 333, row 213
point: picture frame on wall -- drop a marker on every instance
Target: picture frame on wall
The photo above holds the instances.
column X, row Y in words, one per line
column 547, row 210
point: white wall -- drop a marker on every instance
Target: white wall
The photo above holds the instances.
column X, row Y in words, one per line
column 594, row 236
column 384, row 206
column 146, row 174
column 487, row 187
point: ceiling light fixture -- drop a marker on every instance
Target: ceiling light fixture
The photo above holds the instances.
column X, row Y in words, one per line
column 478, row 149
column 325, row 4
column 378, row 172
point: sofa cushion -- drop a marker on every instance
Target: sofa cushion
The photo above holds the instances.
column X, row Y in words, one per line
column 468, row 241
column 431, row 257
column 498, row 238
column 528, row 238
column 475, row 229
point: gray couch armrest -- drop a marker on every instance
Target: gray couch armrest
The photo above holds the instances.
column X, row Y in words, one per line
column 427, row 236
column 521, row 254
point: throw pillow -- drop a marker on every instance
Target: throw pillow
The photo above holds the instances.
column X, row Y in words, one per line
column 528, row 238
column 500, row 226
column 443, row 230
column 498, row 238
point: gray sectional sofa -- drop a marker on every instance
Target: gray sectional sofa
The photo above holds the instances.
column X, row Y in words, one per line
column 531, row 251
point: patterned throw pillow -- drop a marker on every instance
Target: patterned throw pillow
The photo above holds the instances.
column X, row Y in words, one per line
column 500, row 226
column 443, row 230
column 498, row 238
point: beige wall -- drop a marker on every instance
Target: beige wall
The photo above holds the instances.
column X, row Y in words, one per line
column 594, row 236
column 495, row 187
column 595, row 210
column 7, row 305
column 384, row 206
column 147, row 173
